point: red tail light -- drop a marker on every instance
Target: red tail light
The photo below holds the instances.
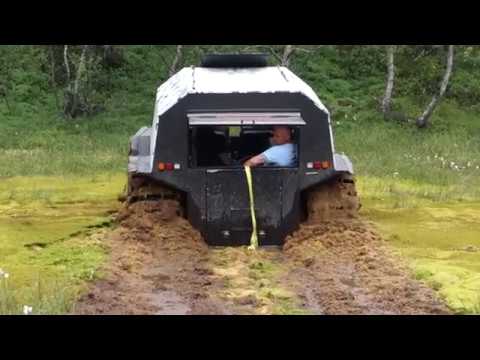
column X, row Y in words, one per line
column 168, row 166
column 319, row 165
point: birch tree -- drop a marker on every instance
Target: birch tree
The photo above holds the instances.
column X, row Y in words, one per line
column 177, row 60
column 287, row 54
column 423, row 120
column 387, row 99
column 74, row 103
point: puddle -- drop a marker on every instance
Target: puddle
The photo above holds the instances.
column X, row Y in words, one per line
column 169, row 303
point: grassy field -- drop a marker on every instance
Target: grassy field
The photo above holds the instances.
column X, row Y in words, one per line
column 49, row 243
column 59, row 179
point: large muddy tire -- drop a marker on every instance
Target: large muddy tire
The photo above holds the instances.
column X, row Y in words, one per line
column 337, row 199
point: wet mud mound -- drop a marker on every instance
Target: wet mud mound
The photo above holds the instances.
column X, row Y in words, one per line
column 344, row 267
column 160, row 224
column 335, row 200
column 159, row 265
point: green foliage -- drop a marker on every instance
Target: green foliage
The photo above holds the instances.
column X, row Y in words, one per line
column 466, row 89
column 361, row 62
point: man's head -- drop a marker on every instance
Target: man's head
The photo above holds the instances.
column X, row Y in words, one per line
column 281, row 135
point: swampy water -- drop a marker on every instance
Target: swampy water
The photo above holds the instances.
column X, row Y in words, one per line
column 441, row 242
column 45, row 225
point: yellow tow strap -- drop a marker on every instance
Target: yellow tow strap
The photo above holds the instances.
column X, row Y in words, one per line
column 254, row 238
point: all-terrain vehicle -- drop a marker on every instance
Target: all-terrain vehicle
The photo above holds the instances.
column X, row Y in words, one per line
column 208, row 120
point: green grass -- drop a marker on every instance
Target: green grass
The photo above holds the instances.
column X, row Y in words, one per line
column 51, row 239
column 49, row 146
column 436, row 164
column 49, row 299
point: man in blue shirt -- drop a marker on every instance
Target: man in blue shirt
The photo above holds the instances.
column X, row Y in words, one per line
column 282, row 154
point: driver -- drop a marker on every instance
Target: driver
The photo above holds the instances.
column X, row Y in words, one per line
column 282, row 153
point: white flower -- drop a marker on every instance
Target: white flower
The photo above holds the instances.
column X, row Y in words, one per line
column 27, row 310
column 6, row 275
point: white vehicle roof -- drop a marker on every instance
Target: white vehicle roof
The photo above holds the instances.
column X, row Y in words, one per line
column 198, row 80
column 201, row 80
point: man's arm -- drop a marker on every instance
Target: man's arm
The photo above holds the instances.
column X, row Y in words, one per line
column 256, row 161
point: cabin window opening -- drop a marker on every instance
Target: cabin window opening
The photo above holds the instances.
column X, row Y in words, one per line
column 232, row 146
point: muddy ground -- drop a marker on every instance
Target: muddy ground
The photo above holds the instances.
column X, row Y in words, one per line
column 160, row 265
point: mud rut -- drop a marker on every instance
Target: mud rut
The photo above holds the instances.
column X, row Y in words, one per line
column 160, row 265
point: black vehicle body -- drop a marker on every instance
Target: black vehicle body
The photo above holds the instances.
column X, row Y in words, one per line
column 216, row 197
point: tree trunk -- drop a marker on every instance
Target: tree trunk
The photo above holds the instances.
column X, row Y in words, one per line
column 80, row 70
column 67, row 65
column 287, row 53
column 68, row 89
column 107, row 51
column 177, row 60
column 387, row 99
column 112, row 55
column 423, row 121
column 73, row 90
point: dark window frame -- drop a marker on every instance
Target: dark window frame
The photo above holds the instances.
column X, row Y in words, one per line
column 193, row 157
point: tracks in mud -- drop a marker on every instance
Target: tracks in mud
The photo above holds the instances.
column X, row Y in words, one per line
column 160, row 265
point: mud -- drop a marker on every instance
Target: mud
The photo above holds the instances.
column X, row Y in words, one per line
column 344, row 267
column 160, row 265
column 335, row 200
